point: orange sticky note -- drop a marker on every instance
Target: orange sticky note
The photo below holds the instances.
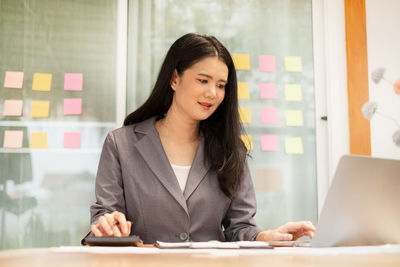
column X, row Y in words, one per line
column 268, row 180
column 38, row 140
column 241, row 61
column 248, row 141
column 40, row 109
column 12, row 139
column 41, row 82
column 12, row 108
column 243, row 91
column 245, row 115
column 14, row 79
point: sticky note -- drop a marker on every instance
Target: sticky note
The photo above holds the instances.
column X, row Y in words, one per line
column 41, row 82
column 38, row 140
column 268, row 90
column 294, row 118
column 245, row 115
column 268, row 180
column 293, row 64
column 293, row 145
column 248, row 141
column 269, row 142
column 241, row 61
column 12, row 108
column 73, row 81
column 72, row 106
column 269, row 115
column 293, row 92
column 12, row 139
column 40, row 109
column 267, row 63
column 72, row 139
column 13, row 79
column 243, row 91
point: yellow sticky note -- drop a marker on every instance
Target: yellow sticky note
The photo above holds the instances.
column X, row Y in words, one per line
column 38, row 140
column 41, row 81
column 294, row 118
column 241, row 61
column 40, row 109
column 293, row 145
column 293, row 92
column 248, row 141
column 245, row 115
column 243, row 91
column 293, row 64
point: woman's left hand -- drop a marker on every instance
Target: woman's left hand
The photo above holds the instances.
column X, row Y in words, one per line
column 288, row 232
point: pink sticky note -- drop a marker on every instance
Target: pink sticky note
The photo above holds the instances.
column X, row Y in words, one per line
column 14, row 79
column 12, row 108
column 269, row 115
column 267, row 63
column 268, row 90
column 72, row 106
column 12, row 139
column 73, row 81
column 72, row 139
column 269, row 142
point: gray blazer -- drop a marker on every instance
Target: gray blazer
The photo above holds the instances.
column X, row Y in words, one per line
column 136, row 178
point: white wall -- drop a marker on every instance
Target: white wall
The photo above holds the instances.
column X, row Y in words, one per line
column 383, row 41
column 330, row 89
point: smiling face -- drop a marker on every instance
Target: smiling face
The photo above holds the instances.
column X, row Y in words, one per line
column 200, row 89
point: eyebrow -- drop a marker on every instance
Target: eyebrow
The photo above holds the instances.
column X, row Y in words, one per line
column 209, row 76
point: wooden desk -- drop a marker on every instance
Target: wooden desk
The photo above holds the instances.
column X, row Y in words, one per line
column 47, row 257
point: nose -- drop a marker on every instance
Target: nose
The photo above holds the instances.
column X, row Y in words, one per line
column 212, row 91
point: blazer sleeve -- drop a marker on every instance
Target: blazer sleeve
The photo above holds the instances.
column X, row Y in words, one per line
column 109, row 185
column 239, row 223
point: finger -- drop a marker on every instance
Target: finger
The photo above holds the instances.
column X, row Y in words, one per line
column 110, row 218
column 116, row 231
column 106, row 226
column 297, row 226
column 95, row 230
column 282, row 237
column 120, row 217
column 309, row 234
column 129, row 224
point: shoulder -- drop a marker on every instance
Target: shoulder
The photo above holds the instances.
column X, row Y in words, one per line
column 133, row 132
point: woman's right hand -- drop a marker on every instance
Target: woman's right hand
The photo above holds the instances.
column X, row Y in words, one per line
column 111, row 224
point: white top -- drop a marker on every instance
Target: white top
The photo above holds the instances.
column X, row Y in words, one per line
column 181, row 173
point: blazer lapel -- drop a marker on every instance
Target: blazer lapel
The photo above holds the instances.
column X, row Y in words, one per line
column 151, row 149
column 198, row 170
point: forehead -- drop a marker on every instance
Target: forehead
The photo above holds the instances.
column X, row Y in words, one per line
column 210, row 65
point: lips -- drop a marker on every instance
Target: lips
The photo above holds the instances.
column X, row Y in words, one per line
column 205, row 105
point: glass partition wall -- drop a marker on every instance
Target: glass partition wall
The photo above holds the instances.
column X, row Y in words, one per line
column 57, row 103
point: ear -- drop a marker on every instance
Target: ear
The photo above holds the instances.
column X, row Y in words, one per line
column 174, row 79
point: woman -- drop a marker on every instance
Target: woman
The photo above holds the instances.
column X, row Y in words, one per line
column 177, row 169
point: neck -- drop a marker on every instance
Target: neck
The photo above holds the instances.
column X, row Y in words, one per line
column 177, row 127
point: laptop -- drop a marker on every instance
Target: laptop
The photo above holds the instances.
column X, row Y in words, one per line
column 362, row 206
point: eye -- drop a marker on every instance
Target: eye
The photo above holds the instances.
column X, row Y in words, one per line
column 203, row 81
column 221, row 86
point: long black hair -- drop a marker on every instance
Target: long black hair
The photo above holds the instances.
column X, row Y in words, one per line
column 224, row 150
